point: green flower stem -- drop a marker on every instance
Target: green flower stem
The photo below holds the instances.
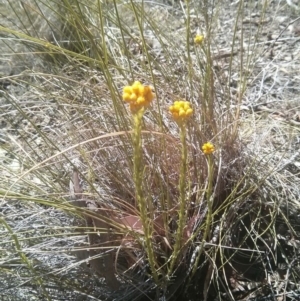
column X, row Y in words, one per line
column 188, row 28
column 182, row 197
column 209, row 217
column 210, row 183
column 138, row 181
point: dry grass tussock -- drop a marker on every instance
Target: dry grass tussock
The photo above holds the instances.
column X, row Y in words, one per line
column 72, row 224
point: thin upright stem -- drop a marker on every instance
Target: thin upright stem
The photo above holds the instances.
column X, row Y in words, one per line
column 138, row 181
column 182, row 198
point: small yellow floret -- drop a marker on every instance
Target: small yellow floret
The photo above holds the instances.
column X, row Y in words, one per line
column 198, row 39
column 208, row 148
column 181, row 110
column 138, row 96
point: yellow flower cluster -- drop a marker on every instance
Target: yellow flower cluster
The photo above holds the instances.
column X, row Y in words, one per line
column 138, row 96
column 208, row 148
column 198, row 39
column 181, row 110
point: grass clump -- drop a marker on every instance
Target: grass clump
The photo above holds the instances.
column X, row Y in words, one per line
column 172, row 198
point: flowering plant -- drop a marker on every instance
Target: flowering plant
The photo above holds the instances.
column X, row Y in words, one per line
column 198, row 39
column 208, row 148
column 138, row 96
column 181, row 111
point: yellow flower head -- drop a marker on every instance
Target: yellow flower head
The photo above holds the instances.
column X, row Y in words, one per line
column 181, row 110
column 138, row 96
column 198, row 39
column 208, row 148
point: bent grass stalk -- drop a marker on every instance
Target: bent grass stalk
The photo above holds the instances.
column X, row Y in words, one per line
column 24, row 258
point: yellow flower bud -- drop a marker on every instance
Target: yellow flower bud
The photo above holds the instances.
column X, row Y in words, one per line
column 138, row 96
column 198, row 39
column 181, row 111
column 208, row 148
